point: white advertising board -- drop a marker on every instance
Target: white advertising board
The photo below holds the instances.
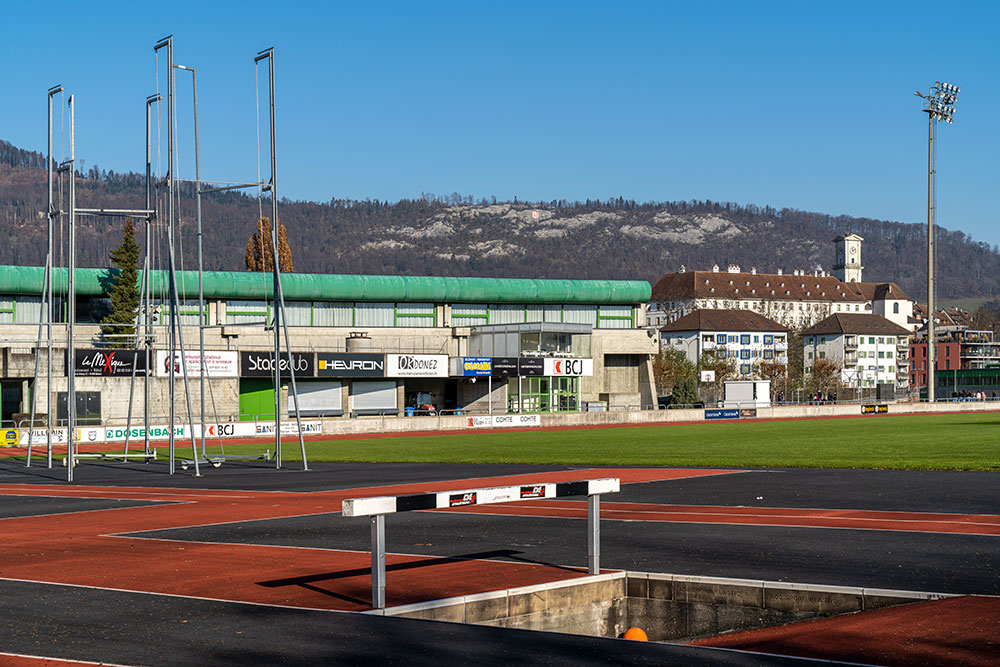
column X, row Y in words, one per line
column 58, row 436
column 571, row 367
column 218, row 363
column 289, row 426
column 227, row 430
column 114, row 433
column 89, row 434
column 416, row 365
column 503, row 421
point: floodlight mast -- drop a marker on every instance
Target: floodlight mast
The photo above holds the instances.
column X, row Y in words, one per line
column 939, row 106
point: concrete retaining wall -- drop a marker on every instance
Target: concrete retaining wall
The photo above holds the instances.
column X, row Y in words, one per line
column 668, row 607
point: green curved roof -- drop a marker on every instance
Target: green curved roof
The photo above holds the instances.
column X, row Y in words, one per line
column 323, row 287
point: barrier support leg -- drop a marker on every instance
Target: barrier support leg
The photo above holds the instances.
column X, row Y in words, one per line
column 378, row 561
column 594, row 533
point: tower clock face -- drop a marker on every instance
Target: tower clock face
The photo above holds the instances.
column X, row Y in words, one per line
column 854, row 249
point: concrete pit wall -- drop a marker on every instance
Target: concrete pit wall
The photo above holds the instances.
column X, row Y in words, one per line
column 668, row 607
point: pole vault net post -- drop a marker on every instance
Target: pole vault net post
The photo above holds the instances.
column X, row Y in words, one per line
column 377, row 507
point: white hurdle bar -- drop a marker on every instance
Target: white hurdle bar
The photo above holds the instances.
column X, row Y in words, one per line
column 378, row 507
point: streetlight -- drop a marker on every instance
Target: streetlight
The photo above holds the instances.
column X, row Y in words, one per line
column 940, row 105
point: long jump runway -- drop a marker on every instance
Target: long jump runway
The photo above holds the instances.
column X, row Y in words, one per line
column 289, row 553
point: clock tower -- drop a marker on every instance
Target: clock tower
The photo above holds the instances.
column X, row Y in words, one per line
column 848, row 266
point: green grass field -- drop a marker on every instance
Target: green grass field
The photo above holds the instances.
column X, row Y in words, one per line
column 935, row 442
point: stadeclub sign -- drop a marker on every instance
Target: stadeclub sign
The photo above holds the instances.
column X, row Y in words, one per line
column 261, row 364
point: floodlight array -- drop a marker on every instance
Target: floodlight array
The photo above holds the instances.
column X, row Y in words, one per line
column 941, row 101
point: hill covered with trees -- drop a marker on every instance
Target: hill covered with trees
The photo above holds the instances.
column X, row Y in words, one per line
column 454, row 235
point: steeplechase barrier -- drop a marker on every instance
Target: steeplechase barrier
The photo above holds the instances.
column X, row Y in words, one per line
column 377, row 507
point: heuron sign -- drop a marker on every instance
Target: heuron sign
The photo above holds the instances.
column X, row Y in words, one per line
column 575, row 367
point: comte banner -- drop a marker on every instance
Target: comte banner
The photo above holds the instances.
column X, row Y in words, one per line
column 503, row 421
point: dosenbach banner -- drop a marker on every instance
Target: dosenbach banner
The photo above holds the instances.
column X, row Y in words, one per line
column 108, row 363
column 218, row 363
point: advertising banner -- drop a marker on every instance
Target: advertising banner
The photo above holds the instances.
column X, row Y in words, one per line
column 108, row 363
column 874, row 409
column 37, row 436
column 504, row 366
column 475, row 366
column 260, row 363
column 503, row 421
column 416, row 365
column 8, row 437
column 218, row 363
column 748, row 413
column 89, row 434
column 267, row 428
column 727, row 413
column 530, row 367
column 227, row 430
column 574, row 367
column 113, row 433
column 340, row 365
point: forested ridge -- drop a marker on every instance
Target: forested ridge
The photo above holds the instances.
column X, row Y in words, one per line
column 454, row 235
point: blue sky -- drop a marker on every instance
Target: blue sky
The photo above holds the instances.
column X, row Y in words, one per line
column 808, row 105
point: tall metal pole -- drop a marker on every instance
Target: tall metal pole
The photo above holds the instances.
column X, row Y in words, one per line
column 148, row 266
column 278, row 294
column 201, row 264
column 168, row 42
column 48, row 295
column 931, row 356
column 940, row 106
column 71, row 295
column 276, row 269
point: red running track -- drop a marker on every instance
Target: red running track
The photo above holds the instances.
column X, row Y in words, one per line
column 950, row 632
column 93, row 548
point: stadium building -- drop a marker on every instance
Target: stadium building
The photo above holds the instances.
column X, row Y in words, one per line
column 360, row 345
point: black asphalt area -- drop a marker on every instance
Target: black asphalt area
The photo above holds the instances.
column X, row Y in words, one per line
column 139, row 629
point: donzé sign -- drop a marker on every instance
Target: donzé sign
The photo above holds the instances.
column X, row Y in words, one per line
column 261, row 364
column 416, row 365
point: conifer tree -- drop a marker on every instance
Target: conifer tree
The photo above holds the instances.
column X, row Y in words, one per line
column 260, row 257
column 124, row 293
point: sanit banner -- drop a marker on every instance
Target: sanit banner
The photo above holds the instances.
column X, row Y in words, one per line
column 416, row 365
